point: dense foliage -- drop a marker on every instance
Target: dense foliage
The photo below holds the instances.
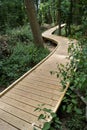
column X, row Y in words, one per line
column 12, row 14
column 23, row 58
column 18, row 54
column 75, row 72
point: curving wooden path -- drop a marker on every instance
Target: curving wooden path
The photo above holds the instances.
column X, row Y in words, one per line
column 37, row 86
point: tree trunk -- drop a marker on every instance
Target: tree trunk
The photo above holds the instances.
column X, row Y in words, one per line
column 70, row 17
column 71, row 8
column 77, row 12
column 33, row 22
column 59, row 17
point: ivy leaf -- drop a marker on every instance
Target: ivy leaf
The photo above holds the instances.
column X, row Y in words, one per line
column 35, row 129
column 74, row 101
column 69, row 108
column 47, row 110
column 78, row 111
column 53, row 115
column 43, row 104
column 64, row 107
column 37, row 109
column 46, row 126
column 42, row 116
column 51, row 128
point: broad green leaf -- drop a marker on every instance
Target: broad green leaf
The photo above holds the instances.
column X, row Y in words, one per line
column 37, row 109
column 46, row 126
column 42, row 116
column 78, row 111
column 53, row 115
column 47, row 110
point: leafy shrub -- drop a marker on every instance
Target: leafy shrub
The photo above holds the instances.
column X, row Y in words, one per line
column 75, row 73
column 4, row 50
column 23, row 58
column 76, row 123
column 12, row 14
column 21, row 34
column 48, row 114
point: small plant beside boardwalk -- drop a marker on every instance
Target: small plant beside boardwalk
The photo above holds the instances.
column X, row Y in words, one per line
column 49, row 119
column 74, row 105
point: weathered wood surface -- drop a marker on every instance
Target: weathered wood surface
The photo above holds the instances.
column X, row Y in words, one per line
column 37, row 86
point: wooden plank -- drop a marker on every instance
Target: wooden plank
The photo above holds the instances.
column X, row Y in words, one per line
column 33, row 96
column 5, row 126
column 39, row 86
column 18, row 113
column 42, row 76
column 34, row 88
column 14, row 121
column 26, row 100
column 28, row 118
column 45, row 74
column 38, row 92
column 20, row 105
column 45, row 82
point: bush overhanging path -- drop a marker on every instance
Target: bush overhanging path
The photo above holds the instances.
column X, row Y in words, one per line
column 37, row 86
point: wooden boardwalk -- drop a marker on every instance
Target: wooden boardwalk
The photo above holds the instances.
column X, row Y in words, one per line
column 37, row 86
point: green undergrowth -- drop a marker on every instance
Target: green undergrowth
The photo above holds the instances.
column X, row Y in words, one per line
column 18, row 54
column 73, row 107
column 12, row 37
column 20, row 34
column 23, row 58
column 45, row 118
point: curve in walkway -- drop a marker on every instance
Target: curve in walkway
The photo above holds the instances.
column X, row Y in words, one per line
column 37, row 86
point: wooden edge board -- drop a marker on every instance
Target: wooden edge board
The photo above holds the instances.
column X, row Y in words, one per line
column 61, row 98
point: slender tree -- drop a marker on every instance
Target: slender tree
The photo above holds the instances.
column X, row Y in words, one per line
column 77, row 12
column 33, row 22
column 70, row 17
column 59, row 16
